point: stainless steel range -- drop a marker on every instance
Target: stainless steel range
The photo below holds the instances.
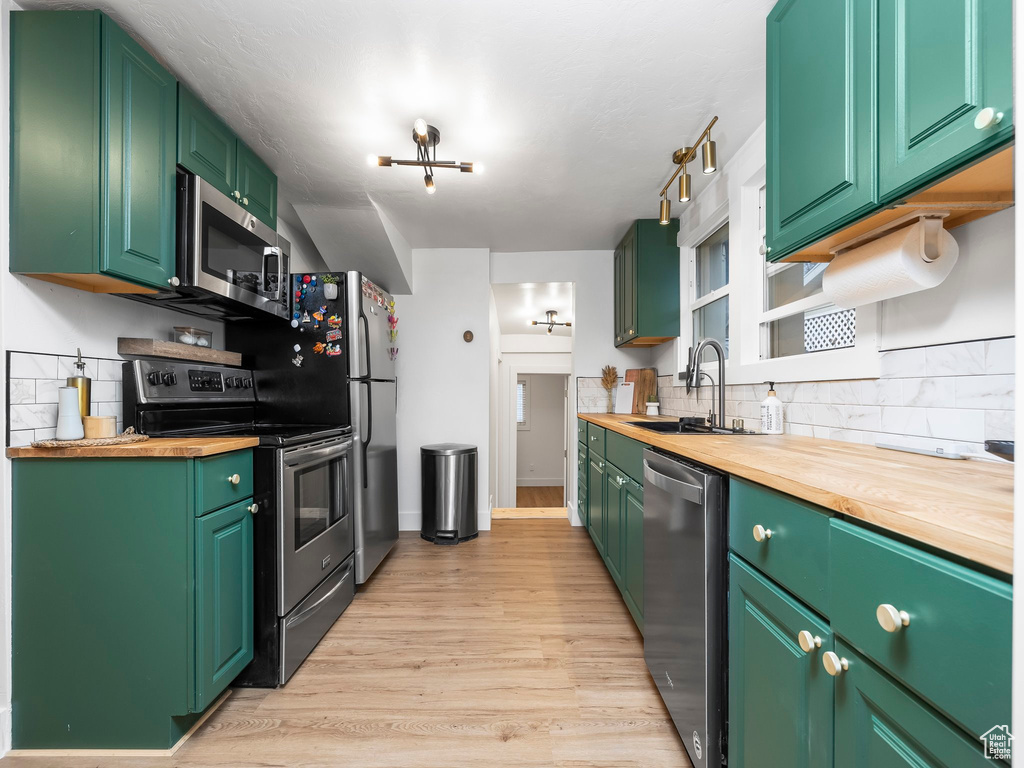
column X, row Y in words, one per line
column 303, row 532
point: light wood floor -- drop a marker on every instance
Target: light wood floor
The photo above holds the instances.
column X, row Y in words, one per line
column 529, row 513
column 514, row 649
column 539, row 496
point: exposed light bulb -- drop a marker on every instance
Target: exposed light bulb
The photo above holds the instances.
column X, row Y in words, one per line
column 684, row 187
column 372, row 161
column 550, row 329
column 478, row 168
column 664, row 216
column 429, row 181
column 420, row 126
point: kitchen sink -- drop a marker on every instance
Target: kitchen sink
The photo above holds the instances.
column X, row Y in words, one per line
column 683, row 427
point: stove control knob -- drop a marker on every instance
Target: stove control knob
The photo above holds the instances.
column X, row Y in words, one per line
column 247, row 382
column 170, row 378
column 232, row 381
column 155, row 378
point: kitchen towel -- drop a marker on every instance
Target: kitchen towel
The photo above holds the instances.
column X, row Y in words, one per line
column 910, row 259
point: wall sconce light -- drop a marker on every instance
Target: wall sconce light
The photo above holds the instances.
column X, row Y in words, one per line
column 680, row 158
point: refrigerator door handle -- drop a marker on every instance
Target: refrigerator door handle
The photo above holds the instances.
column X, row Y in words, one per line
column 368, row 431
column 366, row 340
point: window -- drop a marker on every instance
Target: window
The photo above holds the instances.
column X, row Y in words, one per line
column 709, row 295
column 523, row 404
column 796, row 318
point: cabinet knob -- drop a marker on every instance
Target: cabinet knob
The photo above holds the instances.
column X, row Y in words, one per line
column 764, row 250
column 173, row 282
column 245, row 201
column 630, row 331
column 808, row 642
column 236, row 194
column 235, row 479
column 761, row 533
column 891, row 619
column 987, row 118
column 254, row 507
column 833, row 664
column 600, row 465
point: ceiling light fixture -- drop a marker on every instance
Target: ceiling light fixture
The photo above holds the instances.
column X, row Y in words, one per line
column 550, row 322
column 427, row 137
column 680, row 158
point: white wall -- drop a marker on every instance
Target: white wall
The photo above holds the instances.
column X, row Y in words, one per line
column 494, row 390
column 443, row 387
column 304, row 255
column 540, row 458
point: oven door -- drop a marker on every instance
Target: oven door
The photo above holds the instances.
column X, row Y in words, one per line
column 233, row 254
column 314, row 516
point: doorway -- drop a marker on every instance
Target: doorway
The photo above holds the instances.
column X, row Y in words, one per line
column 540, row 444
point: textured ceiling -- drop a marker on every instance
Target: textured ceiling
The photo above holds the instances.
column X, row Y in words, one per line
column 519, row 303
column 573, row 106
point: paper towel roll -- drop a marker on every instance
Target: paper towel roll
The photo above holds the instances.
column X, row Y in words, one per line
column 905, row 261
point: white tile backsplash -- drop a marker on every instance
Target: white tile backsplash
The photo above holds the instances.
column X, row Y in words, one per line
column 32, row 366
column 22, row 391
column 953, row 396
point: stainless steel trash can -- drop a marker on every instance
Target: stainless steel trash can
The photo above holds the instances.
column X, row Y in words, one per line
column 449, row 493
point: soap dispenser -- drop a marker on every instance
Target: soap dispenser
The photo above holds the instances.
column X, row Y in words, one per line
column 771, row 412
column 84, row 385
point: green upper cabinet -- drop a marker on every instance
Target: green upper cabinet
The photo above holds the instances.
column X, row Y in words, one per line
column 646, row 276
column 224, row 607
column 92, row 154
column 257, row 185
column 940, row 63
column 208, row 148
column 820, row 96
column 780, row 696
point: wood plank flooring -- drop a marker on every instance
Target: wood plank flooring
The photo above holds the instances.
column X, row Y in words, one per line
column 539, row 496
column 514, row 649
column 529, row 513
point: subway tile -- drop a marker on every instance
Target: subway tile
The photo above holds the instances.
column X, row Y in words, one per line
column 801, row 413
column 999, row 425
column 903, row 363
column 846, row 435
column 900, row 420
column 955, row 359
column 46, row 390
column 845, row 393
column 803, row 430
column 936, row 392
column 995, row 392
column 107, row 409
column 110, row 370
column 22, row 437
column 36, row 416
column 25, row 365
column 820, row 431
column 103, row 392
column 46, row 434
column 999, row 356
column 956, row 424
column 881, row 392
column 22, row 391
column 802, row 392
column 66, row 367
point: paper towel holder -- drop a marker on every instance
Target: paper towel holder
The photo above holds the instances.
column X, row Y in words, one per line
column 878, row 232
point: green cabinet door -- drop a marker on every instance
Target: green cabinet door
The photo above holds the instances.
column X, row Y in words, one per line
column 619, row 294
column 821, row 153
column 780, row 697
column 647, row 284
column 257, row 185
column 940, row 62
column 206, row 146
column 633, row 550
column 138, row 110
column 878, row 724
column 595, row 501
column 224, row 608
column 629, row 286
column 613, row 484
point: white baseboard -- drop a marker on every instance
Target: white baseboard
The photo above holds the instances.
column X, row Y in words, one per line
column 5, row 730
column 542, row 481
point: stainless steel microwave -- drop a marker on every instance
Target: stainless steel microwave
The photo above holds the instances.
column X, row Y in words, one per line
column 228, row 263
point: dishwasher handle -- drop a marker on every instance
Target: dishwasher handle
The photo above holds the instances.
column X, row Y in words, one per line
column 668, row 484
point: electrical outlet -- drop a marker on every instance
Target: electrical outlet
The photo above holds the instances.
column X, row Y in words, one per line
column 531, row 467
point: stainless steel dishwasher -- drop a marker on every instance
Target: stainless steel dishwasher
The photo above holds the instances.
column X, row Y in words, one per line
column 685, row 599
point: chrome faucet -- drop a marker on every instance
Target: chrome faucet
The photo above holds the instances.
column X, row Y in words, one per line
column 695, row 374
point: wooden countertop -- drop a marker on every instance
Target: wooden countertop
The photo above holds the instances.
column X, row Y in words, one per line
column 157, row 447
column 961, row 507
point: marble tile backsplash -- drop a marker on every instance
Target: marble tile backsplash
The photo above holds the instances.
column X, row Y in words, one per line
column 949, row 396
column 32, row 382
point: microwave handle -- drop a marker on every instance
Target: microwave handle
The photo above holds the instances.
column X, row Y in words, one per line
column 272, row 250
column 282, row 273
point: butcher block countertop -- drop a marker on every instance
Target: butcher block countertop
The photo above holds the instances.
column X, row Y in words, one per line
column 157, row 447
column 961, row 507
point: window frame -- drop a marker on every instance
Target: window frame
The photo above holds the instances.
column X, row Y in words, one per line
column 524, row 425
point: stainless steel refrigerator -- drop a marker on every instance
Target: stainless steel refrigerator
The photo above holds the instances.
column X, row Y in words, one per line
column 373, row 400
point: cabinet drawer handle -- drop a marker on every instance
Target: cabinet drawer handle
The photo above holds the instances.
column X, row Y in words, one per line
column 891, row 619
column 254, row 507
column 833, row 664
column 235, row 479
column 987, row 118
column 808, row 642
column 761, row 533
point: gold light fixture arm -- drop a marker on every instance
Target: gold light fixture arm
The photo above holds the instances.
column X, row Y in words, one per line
column 688, row 156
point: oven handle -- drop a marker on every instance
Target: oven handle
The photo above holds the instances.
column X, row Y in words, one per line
column 299, row 618
column 310, row 455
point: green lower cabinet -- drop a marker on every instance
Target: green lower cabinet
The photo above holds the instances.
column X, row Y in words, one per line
column 224, row 602
column 633, row 550
column 878, row 724
column 613, row 501
column 780, row 697
column 595, row 501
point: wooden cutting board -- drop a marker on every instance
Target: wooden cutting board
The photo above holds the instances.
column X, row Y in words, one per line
column 645, row 384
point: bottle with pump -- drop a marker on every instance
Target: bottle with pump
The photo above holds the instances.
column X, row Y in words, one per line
column 771, row 412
